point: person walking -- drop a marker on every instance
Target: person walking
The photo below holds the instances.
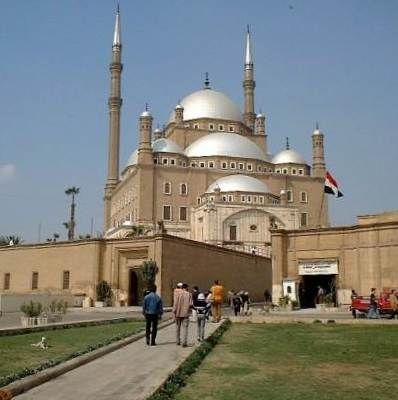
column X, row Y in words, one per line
column 393, row 304
column 237, row 302
column 152, row 309
column 181, row 308
column 246, row 302
column 354, row 295
column 195, row 293
column 373, row 309
column 217, row 292
column 201, row 306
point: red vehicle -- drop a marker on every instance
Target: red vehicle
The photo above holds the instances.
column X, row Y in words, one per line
column 361, row 304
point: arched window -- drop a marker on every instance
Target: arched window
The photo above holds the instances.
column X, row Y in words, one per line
column 167, row 188
column 183, row 189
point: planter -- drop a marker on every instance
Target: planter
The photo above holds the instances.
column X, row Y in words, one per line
column 99, row 304
column 54, row 318
column 28, row 321
column 42, row 321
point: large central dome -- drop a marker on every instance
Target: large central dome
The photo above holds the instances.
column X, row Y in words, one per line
column 225, row 144
column 208, row 103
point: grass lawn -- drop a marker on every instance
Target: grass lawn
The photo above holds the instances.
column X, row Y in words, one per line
column 16, row 352
column 297, row 362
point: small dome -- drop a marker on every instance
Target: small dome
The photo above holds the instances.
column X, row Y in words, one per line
column 133, row 159
column 317, row 131
column 208, row 103
column 238, row 183
column 164, row 145
column 260, row 115
column 288, row 157
column 225, row 144
column 146, row 113
column 161, row 145
column 179, row 107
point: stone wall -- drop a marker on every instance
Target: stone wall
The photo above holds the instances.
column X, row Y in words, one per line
column 90, row 261
column 200, row 264
column 367, row 255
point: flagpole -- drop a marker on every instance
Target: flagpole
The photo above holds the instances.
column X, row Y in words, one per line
column 320, row 210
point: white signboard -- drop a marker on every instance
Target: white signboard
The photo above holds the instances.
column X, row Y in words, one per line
column 319, row 267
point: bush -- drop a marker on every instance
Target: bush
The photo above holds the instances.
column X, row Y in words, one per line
column 32, row 309
column 284, row 301
column 104, row 291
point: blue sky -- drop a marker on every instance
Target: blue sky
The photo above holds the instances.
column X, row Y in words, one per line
column 335, row 62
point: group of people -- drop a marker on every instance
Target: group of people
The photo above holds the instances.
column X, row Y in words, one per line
column 373, row 311
column 185, row 303
column 239, row 302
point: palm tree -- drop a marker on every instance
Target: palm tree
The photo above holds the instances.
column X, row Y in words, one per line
column 72, row 191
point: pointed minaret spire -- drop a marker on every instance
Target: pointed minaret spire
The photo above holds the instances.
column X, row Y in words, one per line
column 207, row 81
column 287, row 144
column 117, row 37
column 114, row 106
column 248, row 58
column 249, row 84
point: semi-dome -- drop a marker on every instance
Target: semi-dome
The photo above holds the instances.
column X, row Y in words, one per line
column 164, row 145
column 208, row 103
column 161, row 145
column 288, row 157
column 225, row 144
column 133, row 159
column 238, row 183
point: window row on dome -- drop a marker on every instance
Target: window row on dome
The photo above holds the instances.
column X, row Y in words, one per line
column 183, row 188
column 290, row 171
column 168, row 213
column 212, row 127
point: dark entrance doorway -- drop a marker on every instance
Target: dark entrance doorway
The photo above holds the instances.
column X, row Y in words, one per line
column 309, row 286
column 133, row 288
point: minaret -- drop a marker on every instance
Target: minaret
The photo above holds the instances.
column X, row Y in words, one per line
column 318, row 154
column 179, row 114
column 260, row 129
column 249, row 85
column 114, row 106
column 145, row 154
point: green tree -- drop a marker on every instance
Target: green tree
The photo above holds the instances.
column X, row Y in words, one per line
column 149, row 270
column 104, row 292
column 70, row 225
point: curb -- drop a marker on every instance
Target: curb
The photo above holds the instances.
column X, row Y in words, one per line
column 29, row 382
column 64, row 325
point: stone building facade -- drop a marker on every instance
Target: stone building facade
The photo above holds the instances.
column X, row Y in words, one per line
column 338, row 259
column 208, row 174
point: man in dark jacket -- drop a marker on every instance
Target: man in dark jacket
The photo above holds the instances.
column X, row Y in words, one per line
column 152, row 308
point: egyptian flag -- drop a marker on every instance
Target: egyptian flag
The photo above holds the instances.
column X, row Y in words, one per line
column 331, row 185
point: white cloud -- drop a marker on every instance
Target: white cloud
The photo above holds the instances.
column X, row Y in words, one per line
column 7, row 172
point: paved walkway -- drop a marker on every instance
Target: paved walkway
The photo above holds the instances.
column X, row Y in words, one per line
column 132, row 373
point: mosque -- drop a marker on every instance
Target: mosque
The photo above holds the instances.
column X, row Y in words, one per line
column 208, row 175
column 205, row 199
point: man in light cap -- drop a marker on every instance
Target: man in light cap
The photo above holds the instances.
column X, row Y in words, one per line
column 181, row 309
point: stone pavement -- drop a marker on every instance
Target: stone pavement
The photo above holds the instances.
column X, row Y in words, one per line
column 132, row 373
